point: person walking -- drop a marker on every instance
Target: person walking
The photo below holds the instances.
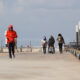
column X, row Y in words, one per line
column 51, row 42
column 60, row 40
column 11, row 35
column 44, row 44
column 5, row 38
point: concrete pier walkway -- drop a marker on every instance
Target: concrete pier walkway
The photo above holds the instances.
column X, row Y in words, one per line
column 37, row 66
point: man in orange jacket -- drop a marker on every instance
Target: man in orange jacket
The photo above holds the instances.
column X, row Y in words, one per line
column 11, row 35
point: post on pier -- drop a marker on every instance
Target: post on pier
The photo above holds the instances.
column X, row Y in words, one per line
column 77, row 35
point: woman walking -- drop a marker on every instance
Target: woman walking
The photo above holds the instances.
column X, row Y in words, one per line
column 44, row 44
column 60, row 40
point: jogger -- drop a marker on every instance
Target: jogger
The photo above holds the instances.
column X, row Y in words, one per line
column 11, row 35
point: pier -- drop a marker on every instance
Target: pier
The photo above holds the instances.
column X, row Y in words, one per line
column 37, row 66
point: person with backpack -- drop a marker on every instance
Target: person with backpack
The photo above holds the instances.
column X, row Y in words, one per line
column 11, row 35
column 60, row 40
column 44, row 44
column 51, row 42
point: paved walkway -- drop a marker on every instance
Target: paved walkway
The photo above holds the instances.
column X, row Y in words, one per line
column 37, row 66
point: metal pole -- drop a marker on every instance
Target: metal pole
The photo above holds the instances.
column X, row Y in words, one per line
column 79, row 35
column 30, row 46
column 30, row 43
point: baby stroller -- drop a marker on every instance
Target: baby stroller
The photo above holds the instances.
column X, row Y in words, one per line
column 51, row 49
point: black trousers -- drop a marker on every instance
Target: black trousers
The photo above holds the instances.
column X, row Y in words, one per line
column 11, row 47
column 44, row 50
column 60, row 47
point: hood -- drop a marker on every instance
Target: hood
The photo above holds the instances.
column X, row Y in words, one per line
column 10, row 26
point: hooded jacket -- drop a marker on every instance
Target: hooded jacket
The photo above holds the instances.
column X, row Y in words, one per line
column 11, row 35
column 51, row 41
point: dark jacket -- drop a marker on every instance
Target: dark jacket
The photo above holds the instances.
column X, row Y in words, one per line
column 51, row 41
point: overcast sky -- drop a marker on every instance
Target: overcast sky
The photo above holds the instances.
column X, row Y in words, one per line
column 32, row 19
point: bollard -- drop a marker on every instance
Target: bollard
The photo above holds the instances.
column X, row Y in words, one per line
column 21, row 49
column 76, row 54
column 79, row 56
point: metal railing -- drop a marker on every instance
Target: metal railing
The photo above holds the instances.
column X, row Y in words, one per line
column 75, row 45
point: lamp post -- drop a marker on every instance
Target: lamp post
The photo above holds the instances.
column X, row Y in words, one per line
column 79, row 31
column 77, row 35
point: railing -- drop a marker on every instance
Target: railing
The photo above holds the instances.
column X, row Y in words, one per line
column 22, row 49
column 75, row 45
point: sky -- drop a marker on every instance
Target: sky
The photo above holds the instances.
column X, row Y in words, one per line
column 32, row 19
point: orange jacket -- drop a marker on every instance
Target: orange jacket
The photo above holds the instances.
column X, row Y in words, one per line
column 11, row 35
